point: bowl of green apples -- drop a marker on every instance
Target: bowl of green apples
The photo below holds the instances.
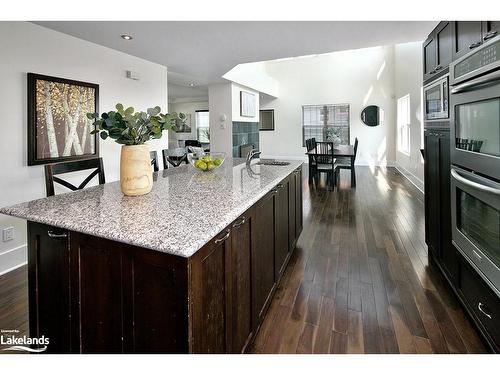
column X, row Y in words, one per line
column 207, row 161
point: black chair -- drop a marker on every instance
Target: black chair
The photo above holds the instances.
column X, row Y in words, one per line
column 348, row 163
column 174, row 156
column 311, row 145
column 192, row 142
column 52, row 170
column 153, row 155
column 325, row 162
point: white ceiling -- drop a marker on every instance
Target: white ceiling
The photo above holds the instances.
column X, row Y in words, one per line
column 202, row 51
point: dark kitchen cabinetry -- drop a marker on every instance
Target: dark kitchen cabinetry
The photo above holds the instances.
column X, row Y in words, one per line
column 437, row 51
column 438, row 200
column 298, row 202
column 88, row 294
column 263, row 256
column 467, row 35
column 48, row 259
column 429, row 57
column 281, row 223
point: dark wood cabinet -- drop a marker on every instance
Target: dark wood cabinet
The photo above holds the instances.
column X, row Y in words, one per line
column 263, row 280
column 480, row 301
column 466, row 35
column 281, row 223
column 208, row 295
column 444, row 45
column 490, row 29
column 49, row 285
column 240, row 284
column 298, row 202
column 429, row 57
column 438, row 200
column 88, row 294
column 431, row 186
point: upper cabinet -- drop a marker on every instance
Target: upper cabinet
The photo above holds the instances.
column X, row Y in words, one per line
column 467, row 35
column 437, row 50
column 451, row 40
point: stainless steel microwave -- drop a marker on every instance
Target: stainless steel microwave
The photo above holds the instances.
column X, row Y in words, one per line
column 436, row 100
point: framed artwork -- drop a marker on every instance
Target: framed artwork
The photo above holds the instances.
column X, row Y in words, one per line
column 266, row 119
column 58, row 127
column 183, row 126
column 247, row 104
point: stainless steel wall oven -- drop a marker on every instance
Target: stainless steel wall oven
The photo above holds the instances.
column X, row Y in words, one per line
column 475, row 157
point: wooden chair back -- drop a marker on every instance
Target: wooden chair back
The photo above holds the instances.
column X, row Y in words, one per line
column 153, row 155
column 174, row 156
column 355, row 147
column 324, row 153
column 52, row 170
column 192, row 142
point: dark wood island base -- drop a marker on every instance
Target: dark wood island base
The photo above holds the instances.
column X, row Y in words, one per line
column 92, row 295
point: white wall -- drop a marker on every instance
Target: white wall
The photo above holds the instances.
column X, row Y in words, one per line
column 235, row 99
column 31, row 48
column 408, row 80
column 219, row 104
column 255, row 76
column 186, row 108
column 358, row 77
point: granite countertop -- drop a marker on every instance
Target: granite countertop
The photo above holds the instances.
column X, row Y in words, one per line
column 185, row 209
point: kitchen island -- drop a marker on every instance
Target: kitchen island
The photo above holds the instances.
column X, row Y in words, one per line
column 190, row 267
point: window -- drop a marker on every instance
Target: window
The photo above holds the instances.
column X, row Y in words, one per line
column 325, row 121
column 404, row 124
column 202, row 126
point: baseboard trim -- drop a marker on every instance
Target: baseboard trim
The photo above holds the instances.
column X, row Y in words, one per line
column 418, row 183
column 13, row 259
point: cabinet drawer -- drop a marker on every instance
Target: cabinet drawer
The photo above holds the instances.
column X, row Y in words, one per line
column 482, row 302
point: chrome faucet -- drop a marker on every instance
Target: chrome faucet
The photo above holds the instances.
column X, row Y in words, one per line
column 251, row 155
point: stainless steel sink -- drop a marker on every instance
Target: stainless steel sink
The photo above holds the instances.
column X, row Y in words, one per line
column 272, row 162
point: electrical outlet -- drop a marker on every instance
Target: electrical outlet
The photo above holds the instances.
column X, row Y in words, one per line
column 8, row 234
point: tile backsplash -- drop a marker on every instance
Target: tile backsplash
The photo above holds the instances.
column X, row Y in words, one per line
column 244, row 133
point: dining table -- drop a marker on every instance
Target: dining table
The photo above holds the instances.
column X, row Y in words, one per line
column 339, row 151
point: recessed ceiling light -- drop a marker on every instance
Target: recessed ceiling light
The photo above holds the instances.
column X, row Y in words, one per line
column 191, row 84
column 127, row 37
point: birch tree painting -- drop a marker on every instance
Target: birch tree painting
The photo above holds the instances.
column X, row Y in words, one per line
column 60, row 127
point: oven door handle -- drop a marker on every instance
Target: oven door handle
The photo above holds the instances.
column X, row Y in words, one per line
column 488, row 189
column 476, row 82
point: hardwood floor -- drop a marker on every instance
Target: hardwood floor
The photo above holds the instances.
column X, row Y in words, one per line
column 358, row 282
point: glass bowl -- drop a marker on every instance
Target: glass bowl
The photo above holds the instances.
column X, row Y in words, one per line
column 207, row 161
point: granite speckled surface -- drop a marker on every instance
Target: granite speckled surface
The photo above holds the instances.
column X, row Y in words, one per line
column 185, row 209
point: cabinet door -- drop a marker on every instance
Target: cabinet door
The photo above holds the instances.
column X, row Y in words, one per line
column 447, row 255
column 429, row 57
column 490, row 29
column 262, row 256
column 444, row 45
column 240, row 289
column 97, row 277
column 292, row 215
column 466, row 36
column 208, row 302
column 48, row 278
column 281, row 225
column 298, row 202
column 431, row 182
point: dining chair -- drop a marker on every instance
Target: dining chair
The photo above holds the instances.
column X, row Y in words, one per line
column 174, row 156
column 153, row 155
column 310, row 145
column 192, row 142
column 52, row 170
column 325, row 162
column 348, row 163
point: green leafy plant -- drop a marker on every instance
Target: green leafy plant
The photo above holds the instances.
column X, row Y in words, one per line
column 128, row 127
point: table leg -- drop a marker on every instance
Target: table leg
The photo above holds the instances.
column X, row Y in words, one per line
column 353, row 174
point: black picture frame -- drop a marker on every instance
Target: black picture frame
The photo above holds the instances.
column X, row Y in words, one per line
column 266, row 111
column 32, row 79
